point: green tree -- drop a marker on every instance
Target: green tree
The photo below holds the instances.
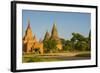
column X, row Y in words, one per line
column 68, row 46
column 89, row 40
column 50, row 46
column 80, row 42
column 89, row 36
column 63, row 41
column 77, row 37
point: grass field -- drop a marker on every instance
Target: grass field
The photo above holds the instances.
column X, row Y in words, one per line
column 49, row 57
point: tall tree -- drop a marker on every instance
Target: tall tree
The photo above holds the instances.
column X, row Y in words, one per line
column 80, row 42
column 50, row 45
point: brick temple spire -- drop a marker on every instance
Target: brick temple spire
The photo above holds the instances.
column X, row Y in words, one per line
column 28, row 23
column 54, row 33
column 28, row 32
column 47, row 36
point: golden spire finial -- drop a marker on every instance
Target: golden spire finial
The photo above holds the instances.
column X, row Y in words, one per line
column 54, row 22
column 28, row 23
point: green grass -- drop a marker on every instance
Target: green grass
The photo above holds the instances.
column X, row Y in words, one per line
column 38, row 59
column 27, row 58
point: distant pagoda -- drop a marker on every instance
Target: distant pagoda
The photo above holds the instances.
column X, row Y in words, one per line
column 54, row 36
column 47, row 36
column 54, row 33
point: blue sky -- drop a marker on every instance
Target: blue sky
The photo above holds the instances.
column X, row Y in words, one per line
column 66, row 22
